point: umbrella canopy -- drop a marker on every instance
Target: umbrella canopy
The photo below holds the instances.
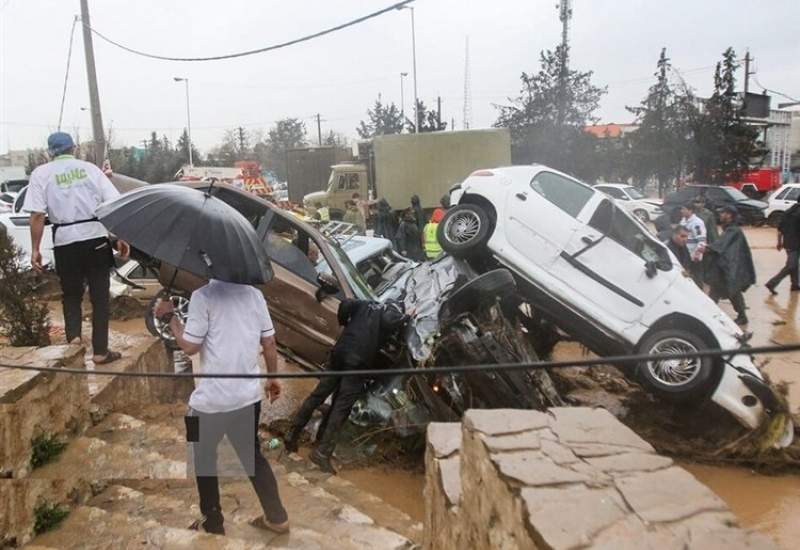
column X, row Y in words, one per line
column 191, row 230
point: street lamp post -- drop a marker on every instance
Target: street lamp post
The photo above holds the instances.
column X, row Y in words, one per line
column 414, row 54
column 402, row 97
column 188, row 116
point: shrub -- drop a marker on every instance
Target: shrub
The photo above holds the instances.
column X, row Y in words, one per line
column 23, row 316
column 47, row 516
column 45, row 448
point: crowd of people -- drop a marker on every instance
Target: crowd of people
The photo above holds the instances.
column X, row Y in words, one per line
column 721, row 262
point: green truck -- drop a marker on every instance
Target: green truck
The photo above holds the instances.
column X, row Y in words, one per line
column 395, row 167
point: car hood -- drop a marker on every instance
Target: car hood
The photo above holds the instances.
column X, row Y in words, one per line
column 315, row 197
column 752, row 203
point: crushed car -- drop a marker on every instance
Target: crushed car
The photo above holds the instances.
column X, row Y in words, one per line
column 596, row 272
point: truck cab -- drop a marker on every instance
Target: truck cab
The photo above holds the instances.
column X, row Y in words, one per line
column 345, row 179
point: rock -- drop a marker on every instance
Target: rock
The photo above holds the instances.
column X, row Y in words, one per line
column 587, row 425
column 558, row 453
column 532, row 469
column 296, row 480
column 570, row 517
column 515, row 442
column 348, row 514
column 504, row 421
column 630, row 462
column 444, row 438
column 450, row 469
column 667, row 495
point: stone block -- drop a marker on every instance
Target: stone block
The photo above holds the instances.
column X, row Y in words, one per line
column 444, row 438
column 524, row 441
column 530, row 468
column 504, row 421
column 588, row 425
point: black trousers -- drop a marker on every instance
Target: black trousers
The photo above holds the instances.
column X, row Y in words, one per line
column 78, row 264
column 737, row 301
column 791, row 269
column 346, row 392
column 241, row 428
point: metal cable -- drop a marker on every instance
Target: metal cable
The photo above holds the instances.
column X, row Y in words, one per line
column 372, row 373
column 66, row 74
column 306, row 38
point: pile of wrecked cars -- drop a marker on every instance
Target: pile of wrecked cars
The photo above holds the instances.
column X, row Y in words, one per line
column 531, row 255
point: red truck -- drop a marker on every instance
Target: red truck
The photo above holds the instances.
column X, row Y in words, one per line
column 756, row 184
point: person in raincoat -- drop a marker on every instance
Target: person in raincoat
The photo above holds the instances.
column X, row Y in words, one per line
column 419, row 213
column 385, row 222
column 731, row 269
column 409, row 238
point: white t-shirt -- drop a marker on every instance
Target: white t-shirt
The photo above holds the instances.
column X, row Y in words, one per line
column 68, row 190
column 697, row 233
column 229, row 320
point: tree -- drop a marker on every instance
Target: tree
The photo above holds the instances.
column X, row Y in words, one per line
column 660, row 146
column 383, row 120
column 429, row 121
column 288, row 133
column 724, row 144
column 24, row 317
column 548, row 118
column 183, row 148
column 336, row 139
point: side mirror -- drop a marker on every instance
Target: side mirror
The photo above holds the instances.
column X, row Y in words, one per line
column 651, row 269
column 328, row 286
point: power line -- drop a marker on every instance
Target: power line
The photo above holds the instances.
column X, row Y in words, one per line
column 306, row 38
column 423, row 371
column 773, row 91
column 66, row 74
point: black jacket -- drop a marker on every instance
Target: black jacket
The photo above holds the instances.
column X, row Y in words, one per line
column 681, row 253
column 409, row 241
column 790, row 228
column 367, row 326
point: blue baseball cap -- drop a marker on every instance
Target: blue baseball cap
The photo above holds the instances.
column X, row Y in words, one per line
column 59, row 142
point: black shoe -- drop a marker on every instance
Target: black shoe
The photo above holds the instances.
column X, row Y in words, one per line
column 741, row 320
column 209, row 526
column 771, row 289
column 322, row 461
column 291, row 438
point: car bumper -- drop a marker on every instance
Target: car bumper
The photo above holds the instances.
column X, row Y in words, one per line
column 753, row 403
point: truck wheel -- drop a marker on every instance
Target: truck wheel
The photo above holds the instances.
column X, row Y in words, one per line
column 464, row 230
column 675, row 379
column 480, row 291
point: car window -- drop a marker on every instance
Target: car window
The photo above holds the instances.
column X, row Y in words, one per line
column 735, row 194
column 294, row 250
column 715, row 193
column 569, row 195
column 782, row 193
column 614, row 192
column 15, row 186
column 5, row 197
column 634, row 193
column 353, row 182
column 20, row 200
column 616, row 225
column 342, row 184
column 793, row 194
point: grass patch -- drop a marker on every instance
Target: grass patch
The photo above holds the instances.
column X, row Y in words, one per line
column 48, row 516
column 44, row 448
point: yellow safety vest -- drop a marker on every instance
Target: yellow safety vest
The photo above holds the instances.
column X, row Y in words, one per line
column 432, row 246
column 324, row 214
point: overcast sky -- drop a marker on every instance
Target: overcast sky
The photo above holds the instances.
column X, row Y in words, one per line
column 341, row 74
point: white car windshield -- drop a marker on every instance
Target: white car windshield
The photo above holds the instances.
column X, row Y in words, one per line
column 634, row 193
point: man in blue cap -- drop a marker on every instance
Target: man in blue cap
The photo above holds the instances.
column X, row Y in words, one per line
column 67, row 191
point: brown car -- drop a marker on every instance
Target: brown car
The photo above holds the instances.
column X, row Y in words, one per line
column 302, row 306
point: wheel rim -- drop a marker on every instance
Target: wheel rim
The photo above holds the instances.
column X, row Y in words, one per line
column 642, row 215
column 181, row 306
column 462, row 227
column 674, row 372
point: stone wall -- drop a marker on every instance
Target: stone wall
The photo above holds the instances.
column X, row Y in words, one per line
column 37, row 403
column 571, row 477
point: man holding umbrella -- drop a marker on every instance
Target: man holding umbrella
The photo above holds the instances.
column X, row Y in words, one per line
column 228, row 324
column 67, row 191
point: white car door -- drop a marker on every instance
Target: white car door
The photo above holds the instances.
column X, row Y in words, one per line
column 542, row 217
column 616, row 265
column 18, row 225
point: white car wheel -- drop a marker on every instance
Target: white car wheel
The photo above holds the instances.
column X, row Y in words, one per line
column 464, row 230
column 674, row 372
column 675, row 378
column 643, row 216
column 156, row 327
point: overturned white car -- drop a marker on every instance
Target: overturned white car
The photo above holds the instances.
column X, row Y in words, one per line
column 596, row 272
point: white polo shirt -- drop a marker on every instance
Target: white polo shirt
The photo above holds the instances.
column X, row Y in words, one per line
column 229, row 321
column 68, row 190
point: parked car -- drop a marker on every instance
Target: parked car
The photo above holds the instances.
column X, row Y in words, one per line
column 13, row 186
column 598, row 274
column 632, row 200
column 781, row 201
column 751, row 211
column 18, row 226
column 134, row 280
column 7, row 200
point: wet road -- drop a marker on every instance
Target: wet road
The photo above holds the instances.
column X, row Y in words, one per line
column 768, row 503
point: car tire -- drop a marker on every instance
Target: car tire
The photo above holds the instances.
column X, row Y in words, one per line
column 464, row 230
column 643, row 216
column 152, row 324
column 675, row 379
column 482, row 290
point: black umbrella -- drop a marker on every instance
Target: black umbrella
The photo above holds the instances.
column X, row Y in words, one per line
column 191, row 230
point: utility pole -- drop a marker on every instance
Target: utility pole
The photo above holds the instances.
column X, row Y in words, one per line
column 467, row 115
column 242, row 141
column 747, row 73
column 564, row 14
column 438, row 112
column 319, row 131
column 94, row 95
